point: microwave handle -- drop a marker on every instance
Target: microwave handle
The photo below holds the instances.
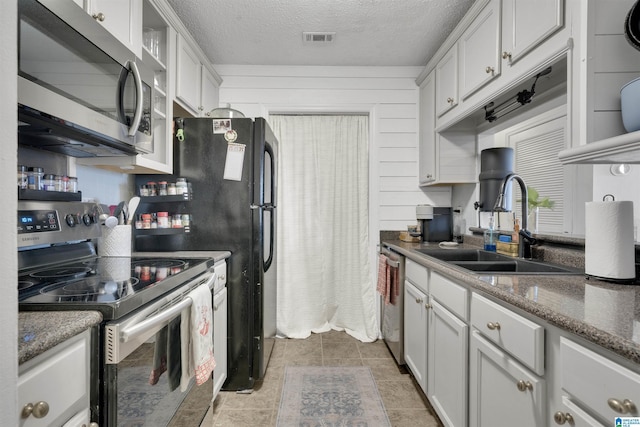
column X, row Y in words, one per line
column 139, row 94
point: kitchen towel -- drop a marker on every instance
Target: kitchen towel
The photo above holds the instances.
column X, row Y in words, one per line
column 197, row 341
column 115, row 241
column 609, row 245
column 382, row 275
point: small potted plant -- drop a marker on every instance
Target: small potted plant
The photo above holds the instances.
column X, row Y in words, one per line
column 534, row 203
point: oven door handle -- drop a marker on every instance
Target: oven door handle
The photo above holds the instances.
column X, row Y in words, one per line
column 137, row 328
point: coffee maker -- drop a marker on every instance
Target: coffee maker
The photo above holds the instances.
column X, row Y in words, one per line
column 435, row 223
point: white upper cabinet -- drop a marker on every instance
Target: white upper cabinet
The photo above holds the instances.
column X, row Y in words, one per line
column 196, row 87
column 447, row 81
column 122, row 18
column 526, row 24
column 479, row 48
column 427, row 147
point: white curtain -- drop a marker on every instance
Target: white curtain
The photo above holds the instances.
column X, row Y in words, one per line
column 324, row 274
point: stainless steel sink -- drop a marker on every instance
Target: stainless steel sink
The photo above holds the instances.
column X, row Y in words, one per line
column 485, row 262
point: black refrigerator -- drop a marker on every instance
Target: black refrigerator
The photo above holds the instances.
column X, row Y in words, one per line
column 230, row 166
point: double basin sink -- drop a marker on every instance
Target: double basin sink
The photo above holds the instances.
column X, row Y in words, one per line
column 485, row 262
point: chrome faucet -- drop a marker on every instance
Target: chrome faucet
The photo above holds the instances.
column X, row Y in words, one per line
column 525, row 239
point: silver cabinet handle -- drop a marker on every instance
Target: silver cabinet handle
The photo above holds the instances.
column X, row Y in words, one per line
column 493, row 326
column 562, row 417
column 450, row 100
column 524, row 385
column 506, row 55
column 625, row 406
column 419, row 300
column 428, row 306
column 99, row 16
column 489, row 70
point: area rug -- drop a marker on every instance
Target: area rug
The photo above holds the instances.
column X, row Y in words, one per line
column 330, row 397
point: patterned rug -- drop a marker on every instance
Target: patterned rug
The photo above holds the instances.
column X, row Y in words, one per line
column 330, row 397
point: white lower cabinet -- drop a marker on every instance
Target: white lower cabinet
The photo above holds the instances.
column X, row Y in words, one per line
column 415, row 333
column 501, row 390
column 447, row 367
column 219, row 340
column 603, row 388
column 53, row 387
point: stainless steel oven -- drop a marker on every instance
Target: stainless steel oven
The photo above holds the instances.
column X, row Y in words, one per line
column 141, row 300
column 81, row 92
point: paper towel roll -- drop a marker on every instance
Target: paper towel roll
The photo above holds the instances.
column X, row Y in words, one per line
column 115, row 241
column 609, row 245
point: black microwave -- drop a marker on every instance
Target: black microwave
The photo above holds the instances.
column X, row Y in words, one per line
column 81, row 92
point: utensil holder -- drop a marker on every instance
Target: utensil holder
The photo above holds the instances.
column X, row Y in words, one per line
column 115, row 242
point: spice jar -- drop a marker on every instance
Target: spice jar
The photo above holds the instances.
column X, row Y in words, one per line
column 171, row 189
column 186, row 220
column 146, row 221
column 49, row 182
column 152, row 187
column 163, row 219
column 59, row 183
column 65, row 183
column 72, row 185
column 22, row 177
column 176, row 221
column 181, row 186
column 34, row 178
column 162, row 188
column 144, row 190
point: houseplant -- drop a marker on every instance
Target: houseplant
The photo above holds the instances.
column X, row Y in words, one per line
column 534, row 203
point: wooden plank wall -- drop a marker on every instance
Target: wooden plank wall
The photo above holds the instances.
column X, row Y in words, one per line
column 388, row 94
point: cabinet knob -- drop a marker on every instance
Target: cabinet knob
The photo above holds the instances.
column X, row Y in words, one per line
column 506, row 55
column 200, row 108
column 429, row 176
column 493, row 326
column 524, row 385
column 39, row 410
column 427, row 306
column 419, row 300
column 99, row 16
column 562, row 417
column 450, row 100
column 489, row 70
column 625, row 406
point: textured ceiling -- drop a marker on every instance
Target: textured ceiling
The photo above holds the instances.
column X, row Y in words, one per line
column 368, row 32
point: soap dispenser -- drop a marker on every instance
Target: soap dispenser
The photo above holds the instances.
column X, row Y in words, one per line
column 490, row 237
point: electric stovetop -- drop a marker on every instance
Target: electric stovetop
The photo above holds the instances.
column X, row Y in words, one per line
column 114, row 286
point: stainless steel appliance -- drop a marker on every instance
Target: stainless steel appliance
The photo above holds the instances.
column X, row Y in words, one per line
column 231, row 166
column 81, row 92
column 435, row 223
column 137, row 296
column 392, row 315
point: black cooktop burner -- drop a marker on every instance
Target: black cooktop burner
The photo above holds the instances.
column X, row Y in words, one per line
column 113, row 285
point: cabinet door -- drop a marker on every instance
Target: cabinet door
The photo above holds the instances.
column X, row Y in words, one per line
column 447, row 82
column 447, row 370
column 188, row 76
column 122, row 18
column 220, row 340
column 427, row 131
column 480, row 50
column 415, row 333
column 210, row 92
column 525, row 24
column 501, row 390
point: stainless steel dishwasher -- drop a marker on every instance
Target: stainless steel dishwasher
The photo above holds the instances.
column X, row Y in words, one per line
column 391, row 315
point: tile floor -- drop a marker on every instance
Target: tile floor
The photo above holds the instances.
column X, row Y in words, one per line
column 405, row 404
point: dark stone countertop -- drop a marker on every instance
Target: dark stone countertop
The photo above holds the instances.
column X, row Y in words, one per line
column 598, row 311
column 38, row 331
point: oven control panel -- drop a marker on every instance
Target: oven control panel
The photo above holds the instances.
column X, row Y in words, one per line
column 56, row 222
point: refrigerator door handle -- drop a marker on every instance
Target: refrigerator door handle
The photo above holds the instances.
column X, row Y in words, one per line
column 269, row 260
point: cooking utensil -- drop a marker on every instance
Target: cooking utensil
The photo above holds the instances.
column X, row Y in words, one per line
column 118, row 212
column 133, row 207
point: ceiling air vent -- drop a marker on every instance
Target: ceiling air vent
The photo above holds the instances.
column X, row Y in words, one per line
column 322, row 38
